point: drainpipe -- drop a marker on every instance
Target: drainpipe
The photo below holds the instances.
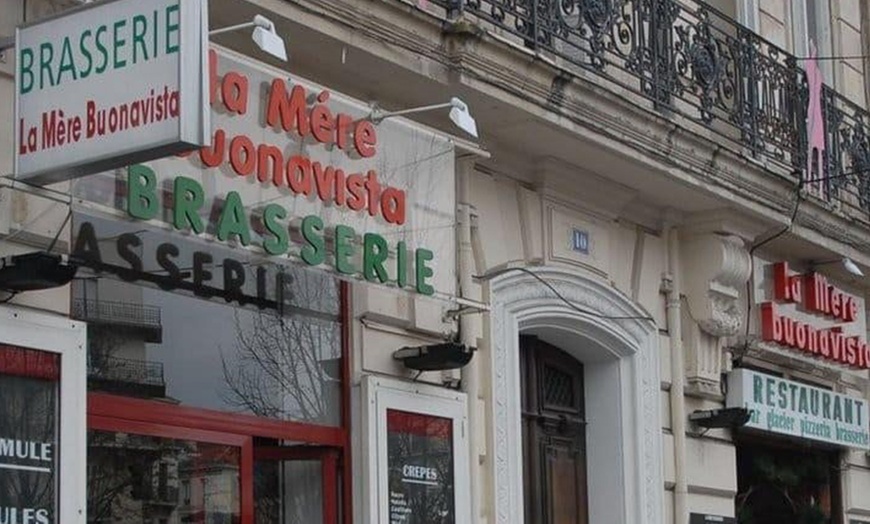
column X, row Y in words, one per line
column 468, row 326
column 678, row 407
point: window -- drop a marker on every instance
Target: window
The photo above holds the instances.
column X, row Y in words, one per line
column 554, row 434
column 811, row 24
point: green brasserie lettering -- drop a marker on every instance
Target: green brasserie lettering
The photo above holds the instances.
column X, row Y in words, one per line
column 188, row 205
column 100, row 47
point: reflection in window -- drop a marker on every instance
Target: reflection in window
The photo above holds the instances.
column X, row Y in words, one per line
column 154, row 344
column 136, row 478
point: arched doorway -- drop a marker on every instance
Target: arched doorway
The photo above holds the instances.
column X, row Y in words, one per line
column 617, row 343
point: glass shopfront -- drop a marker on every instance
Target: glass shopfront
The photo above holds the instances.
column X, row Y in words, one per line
column 204, row 407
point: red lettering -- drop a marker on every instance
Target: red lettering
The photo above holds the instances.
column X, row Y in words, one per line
column 299, row 175
column 771, row 327
column 324, row 178
column 234, row 90
column 287, row 112
column 242, row 146
column 373, row 188
column 365, row 138
column 393, row 205
column 355, row 188
column 214, row 155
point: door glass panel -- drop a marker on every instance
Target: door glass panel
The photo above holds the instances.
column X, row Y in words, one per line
column 138, row 478
column 28, row 435
column 288, row 492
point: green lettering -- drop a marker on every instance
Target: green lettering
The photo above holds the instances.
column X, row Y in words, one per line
column 401, row 264
column 344, row 235
column 314, row 250
column 277, row 244
column 102, row 49
column 140, row 26
column 118, row 44
column 423, row 271
column 66, row 61
column 375, row 252
column 46, row 54
column 25, row 70
column 84, row 73
column 188, row 200
column 171, row 29
column 233, row 220
column 141, row 192
column 757, row 389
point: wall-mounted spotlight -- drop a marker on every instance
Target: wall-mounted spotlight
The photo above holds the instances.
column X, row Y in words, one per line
column 435, row 357
column 264, row 36
column 35, row 271
column 459, row 114
column 721, row 418
column 847, row 263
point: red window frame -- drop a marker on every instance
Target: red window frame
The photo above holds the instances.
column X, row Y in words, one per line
column 108, row 412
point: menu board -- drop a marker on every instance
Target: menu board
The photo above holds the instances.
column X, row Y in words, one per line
column 29, row 382
column 420, row 463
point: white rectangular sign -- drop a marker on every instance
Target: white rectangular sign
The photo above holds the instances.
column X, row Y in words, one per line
column 110, row 84
column 791, row 408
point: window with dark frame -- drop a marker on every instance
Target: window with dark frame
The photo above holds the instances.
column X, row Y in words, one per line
column 554, row 434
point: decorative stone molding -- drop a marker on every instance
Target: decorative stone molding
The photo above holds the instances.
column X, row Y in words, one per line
column 520, row 303
column 716, row 268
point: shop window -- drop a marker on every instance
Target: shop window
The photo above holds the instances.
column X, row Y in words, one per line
column 554, row 434
column 780, row 484
column 159, row 345
column 130, row 480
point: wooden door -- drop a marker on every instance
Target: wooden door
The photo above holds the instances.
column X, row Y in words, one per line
column 554, row 434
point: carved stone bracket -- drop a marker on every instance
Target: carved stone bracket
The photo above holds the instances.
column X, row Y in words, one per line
column 716, row 268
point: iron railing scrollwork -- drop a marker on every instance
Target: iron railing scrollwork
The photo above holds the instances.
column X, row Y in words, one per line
column 685, row 57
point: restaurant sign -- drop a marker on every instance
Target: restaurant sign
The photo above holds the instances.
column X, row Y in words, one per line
column 791, row 408
column 812, row 298
column 110, row 84
column 296, row 173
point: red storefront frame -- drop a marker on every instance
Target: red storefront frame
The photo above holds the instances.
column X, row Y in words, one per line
column 330, row 445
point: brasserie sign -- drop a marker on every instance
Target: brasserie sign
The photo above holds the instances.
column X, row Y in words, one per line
column 791, row 408
column 295, row 172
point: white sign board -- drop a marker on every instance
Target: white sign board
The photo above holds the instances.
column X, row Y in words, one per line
column 791, row 408
column 108, row 85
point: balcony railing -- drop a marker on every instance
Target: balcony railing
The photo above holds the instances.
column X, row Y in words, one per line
column 108, row 312
column 127, row 371
column 683, row 57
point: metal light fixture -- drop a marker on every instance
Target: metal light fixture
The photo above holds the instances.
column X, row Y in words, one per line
column 721, row 418
column 35, row 271
column 847, row 263
column 459, row 114
column 264, row 36
column 435, row 357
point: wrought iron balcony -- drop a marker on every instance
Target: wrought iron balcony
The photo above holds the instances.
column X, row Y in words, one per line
column 137, row 317
column 683, row 57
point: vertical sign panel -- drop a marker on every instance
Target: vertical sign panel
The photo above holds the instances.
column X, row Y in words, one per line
column 420, row 463
column 28, row 436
